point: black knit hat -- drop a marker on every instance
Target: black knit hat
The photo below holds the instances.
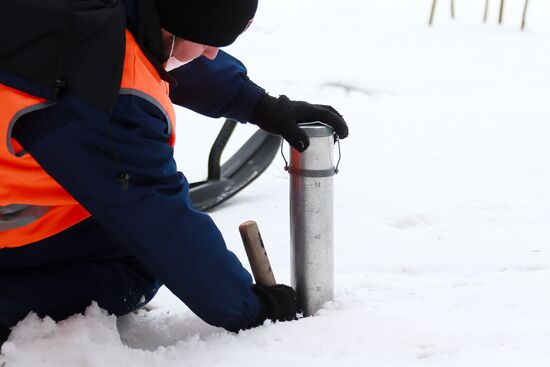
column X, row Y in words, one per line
column 210, row 22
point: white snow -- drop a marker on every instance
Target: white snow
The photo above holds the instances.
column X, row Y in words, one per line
column 442, row 205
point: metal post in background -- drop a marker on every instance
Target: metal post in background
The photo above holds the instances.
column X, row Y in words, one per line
column 311, row 219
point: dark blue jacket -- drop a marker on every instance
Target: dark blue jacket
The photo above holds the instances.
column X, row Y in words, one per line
column 181, row 246
column 216, row 88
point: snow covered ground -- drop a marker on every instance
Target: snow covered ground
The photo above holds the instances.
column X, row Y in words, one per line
column 442, row 205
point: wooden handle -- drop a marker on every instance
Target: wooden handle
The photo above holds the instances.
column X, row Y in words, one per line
column 257, row 256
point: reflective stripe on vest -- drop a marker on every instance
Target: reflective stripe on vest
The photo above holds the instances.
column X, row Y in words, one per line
column 33, row 206
column 17, row 215
column 11, row 144
column 141, row 79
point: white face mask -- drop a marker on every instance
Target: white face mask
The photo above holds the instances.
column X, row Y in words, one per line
column 172, row 62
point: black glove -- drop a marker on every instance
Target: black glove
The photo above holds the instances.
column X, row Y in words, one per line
column 280, row 116
column 277, row 303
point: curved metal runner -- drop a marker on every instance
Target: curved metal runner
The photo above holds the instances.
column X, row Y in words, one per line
column 227, row 179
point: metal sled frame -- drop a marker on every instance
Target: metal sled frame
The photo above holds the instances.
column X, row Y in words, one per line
column 227, row 179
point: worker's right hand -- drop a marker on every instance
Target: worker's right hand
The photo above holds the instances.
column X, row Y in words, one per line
column 277, row 303
column 281, row 116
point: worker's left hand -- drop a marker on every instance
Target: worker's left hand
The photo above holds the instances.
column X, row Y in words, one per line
column 281, row 116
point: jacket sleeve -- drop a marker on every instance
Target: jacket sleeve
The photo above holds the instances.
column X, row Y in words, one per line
column 216, row 88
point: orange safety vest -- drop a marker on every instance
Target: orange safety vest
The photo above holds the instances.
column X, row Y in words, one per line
column 33, row 206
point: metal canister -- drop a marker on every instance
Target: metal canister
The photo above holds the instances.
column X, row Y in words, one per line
column 312, row 219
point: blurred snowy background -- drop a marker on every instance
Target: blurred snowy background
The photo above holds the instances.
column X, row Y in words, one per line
column 442, row 218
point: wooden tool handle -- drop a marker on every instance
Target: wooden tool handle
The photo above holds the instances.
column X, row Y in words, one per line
column 257, row 256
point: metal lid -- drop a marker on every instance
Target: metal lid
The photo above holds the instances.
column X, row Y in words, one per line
column 316, row 129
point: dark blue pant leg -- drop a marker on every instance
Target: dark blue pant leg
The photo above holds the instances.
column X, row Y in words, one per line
column 63, row 274
column 153, row 217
